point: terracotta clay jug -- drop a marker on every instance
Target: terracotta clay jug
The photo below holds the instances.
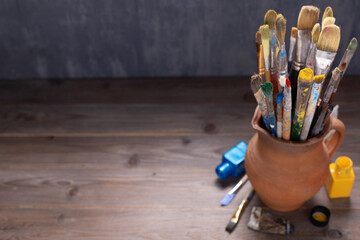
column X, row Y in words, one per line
column 285, row 174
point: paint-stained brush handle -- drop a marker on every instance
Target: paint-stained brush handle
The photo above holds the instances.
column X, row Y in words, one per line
column 349, row 53
column 267, row 89
column 287, row 111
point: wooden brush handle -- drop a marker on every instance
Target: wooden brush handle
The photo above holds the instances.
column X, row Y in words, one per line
column 268, row 77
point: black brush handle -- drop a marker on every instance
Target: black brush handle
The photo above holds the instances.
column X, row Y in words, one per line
column 293, row 80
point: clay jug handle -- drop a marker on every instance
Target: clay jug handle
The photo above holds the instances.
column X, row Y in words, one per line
column 336, row 140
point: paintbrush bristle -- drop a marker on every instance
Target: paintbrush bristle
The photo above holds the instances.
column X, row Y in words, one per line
column 265, row 32
column 315, row 33
column 231, row 226
column 308, row 16
column 265, row 38
column 327, row 13
column 328, row 21
column 280, row 28
column 306, row 75
column 255, row 83
column 319, row 79
column 267, row 88
column 329, row 39
column 258, row 37
column 270, row 18
column 293, row 32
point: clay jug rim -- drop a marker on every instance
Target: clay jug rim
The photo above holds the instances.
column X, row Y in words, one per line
column 318, row 138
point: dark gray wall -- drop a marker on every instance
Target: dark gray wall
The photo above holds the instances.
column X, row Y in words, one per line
column 132, row 38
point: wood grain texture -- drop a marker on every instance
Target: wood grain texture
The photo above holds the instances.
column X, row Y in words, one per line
column 233, row 91
column 174, row 91
column 190, row 107
column 140, row 168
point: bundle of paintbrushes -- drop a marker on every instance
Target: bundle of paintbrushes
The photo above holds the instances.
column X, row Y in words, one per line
column 295, row 106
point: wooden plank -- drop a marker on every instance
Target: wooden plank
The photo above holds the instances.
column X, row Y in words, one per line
column 175, row 91
column 120, row 172
column 140, row 107
column 140, row 164
column 126, row 188
column 109, row 120
column 138, row 120
column 60, row 153
column 185, row 91
column 161, row 223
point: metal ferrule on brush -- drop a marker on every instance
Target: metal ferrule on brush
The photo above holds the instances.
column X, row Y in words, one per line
column 310, row 60
column 291, row 49
column 302, row 48
column 282, row 66
column 323, row 62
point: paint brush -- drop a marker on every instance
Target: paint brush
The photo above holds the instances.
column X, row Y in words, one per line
column 326, row 49
column 231, row 194
column 331, row 88
column 287, row 111
column 292, row 47
column 327, row 21
column 263, row 221
column 236, row 217
column 308, row 17
column 282, row 67
column 265, row 40
column 270, row 20
column 310, row 60
column 338, row 74
column 305, row 82
column 279, row 113
column 324, row 103
column 255, row 83
column 311, row 106
column 260, row 56
column 267, row 89
column 327, row 13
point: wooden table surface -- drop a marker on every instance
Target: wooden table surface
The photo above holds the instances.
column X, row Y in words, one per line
column 135, row 159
